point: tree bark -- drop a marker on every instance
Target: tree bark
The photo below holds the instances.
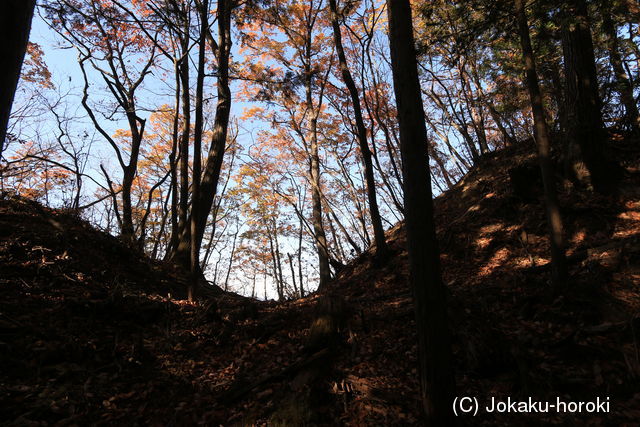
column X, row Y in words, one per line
column 173, row 164
column 215, row 156
column 197, row 154
column 376, row 221
column 434, row 342
column 181, row 254
column 16, row 26
column 211, row 174
column 541, row 135
column 585, row 133
column 314, row 175
column 316, row 207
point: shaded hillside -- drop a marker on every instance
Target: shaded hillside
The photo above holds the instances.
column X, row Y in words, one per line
column 88, row 334
column 513, row 334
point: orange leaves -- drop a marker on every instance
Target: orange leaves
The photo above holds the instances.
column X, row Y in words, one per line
column 104, row 26
column 251, row 112
column 34, row 69
column 37, row 177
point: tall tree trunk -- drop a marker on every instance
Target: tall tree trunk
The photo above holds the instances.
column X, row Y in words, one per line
column 586, row 136
column 181, row 254
column 316, row 207
column 129, row 171
column 541, row 135
column 623, row 84
column 314, row 177
column 376, row 221
column 211, row 175
column 174, row 165
column 16, row 26
column 208, row 185
column 429, row 293
column 197, row 153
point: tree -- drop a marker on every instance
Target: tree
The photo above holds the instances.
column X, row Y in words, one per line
column 365, row 152
column 299, row 47
column 197, row 156
column 16, row 26
column 543, row 142
column 173, row 18
column 108, row 43
column 218, row 144
column 434, row 342
column 205, row 180
column 366, row 28
column 585, row 154
column 149, row 192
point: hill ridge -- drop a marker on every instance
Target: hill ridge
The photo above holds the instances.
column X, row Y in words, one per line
column 86, row 340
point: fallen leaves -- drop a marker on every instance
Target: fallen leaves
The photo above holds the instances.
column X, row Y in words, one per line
column 87, row 334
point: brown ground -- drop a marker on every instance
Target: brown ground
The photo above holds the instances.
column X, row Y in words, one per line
column 88, row 335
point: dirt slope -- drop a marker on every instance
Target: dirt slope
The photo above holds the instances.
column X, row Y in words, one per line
column 88, row 335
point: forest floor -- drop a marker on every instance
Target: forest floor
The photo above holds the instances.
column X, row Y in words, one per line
column 93, row 333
